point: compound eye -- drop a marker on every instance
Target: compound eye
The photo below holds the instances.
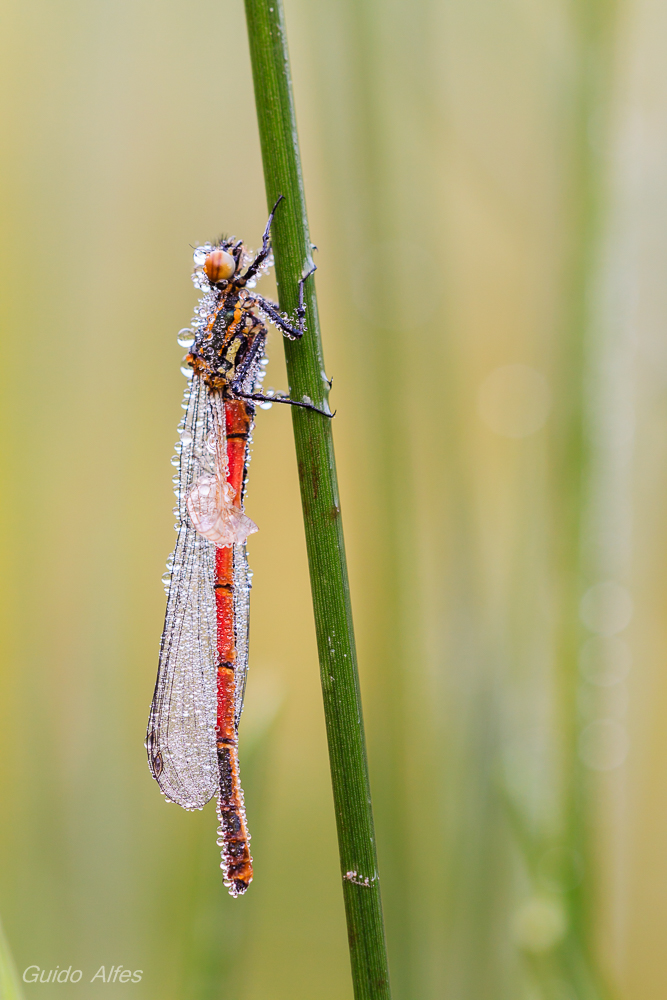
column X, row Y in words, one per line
column 219, row 266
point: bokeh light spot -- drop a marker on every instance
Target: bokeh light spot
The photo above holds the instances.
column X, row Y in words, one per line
column 606, row 608
column 539, row 924
column 603, row 745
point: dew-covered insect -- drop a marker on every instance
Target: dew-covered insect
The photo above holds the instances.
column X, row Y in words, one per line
column 192, row 739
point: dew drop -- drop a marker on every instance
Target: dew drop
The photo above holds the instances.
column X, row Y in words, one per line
column 186, row 337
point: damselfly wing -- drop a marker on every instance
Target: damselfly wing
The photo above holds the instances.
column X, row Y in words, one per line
column 181, row 728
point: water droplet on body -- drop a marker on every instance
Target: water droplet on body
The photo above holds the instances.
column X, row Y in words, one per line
column 186, row 337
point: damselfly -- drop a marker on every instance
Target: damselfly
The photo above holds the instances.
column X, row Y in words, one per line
column 192, row 737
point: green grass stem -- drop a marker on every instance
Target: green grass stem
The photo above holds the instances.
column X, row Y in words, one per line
column 321, row 507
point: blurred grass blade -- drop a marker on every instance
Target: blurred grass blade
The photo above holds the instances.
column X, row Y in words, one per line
column 10, row 988
column 321, row 509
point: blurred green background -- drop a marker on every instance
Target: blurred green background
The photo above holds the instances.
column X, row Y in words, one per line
column 486, row 189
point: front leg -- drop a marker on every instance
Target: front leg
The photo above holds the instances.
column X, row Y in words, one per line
column 301, row 309
column 263, row 253
column 272, row 310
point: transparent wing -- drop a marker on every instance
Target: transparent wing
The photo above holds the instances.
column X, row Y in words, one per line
column 242, row 584
column 181, row 728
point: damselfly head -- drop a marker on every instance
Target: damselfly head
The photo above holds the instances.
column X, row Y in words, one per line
column 219, row 266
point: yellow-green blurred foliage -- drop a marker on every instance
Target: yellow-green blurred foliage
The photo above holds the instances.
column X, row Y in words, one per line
column 486, row 188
